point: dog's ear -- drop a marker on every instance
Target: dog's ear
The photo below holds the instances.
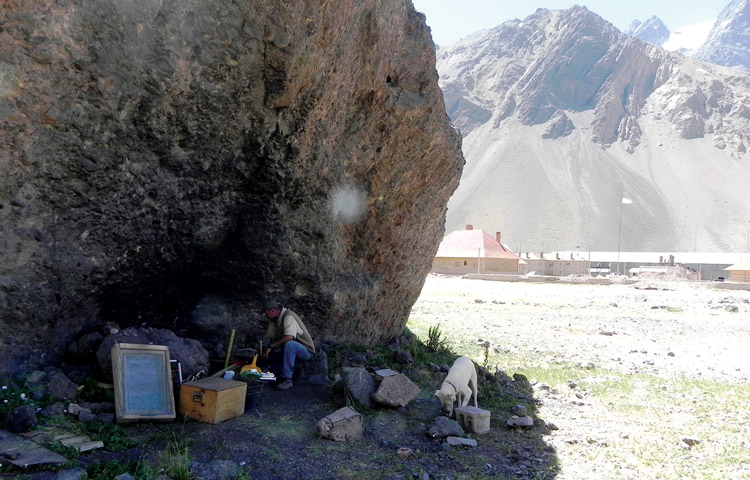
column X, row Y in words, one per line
column 437, row 393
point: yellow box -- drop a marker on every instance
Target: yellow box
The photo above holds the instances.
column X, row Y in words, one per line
column 212, row 400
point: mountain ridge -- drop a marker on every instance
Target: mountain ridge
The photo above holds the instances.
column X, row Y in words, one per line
column 562, row 113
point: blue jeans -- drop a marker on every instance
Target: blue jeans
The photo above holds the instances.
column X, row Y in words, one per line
column 284, row 357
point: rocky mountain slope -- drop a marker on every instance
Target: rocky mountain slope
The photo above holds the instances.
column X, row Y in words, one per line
column 652, row 30
column 562, row 114
column 728, row 43
column 171, row 163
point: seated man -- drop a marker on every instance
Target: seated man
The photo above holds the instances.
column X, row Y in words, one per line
column 289, row 341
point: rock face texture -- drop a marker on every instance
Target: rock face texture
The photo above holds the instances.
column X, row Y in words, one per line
column 561, row 114
column 728, row 43
column 172, row 162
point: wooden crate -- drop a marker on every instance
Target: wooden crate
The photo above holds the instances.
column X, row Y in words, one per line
column 212, row 400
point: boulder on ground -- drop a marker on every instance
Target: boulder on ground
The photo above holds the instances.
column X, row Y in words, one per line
column 343, row 425
column 190, row 353
column 396, row 391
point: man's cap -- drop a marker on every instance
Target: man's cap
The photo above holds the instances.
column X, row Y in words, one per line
column 271, row 304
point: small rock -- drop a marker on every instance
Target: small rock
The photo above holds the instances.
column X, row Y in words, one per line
column 516, row 421
column 466, row 442
column 21, row 419
column 85, row 416
column 552, row 426
column 691, row 441
column 404, row 453
column 445, row 427
column 75, row 409
column 519, row 411
column 732, row 308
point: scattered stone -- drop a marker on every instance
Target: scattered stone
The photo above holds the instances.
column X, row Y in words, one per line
column 20, row 419
column 402, row 357
column 396, row 391
column 477, row 300
column 56, row 409
column 191, row 354
column 459, row 441
column 360, row 384
column 690, row 442
column 74, row 409
column 215, row 469
column 445, row 427
column 433, row 367
column 59, row 386
column 403, row 453
column 343, row 425
column 552, row 426
column 670, row 354
column 86, row 416
column 519, row 411
column 483, row 343
column 572, row 384
column 516, row 421
column 385, row 372
column 732, row 308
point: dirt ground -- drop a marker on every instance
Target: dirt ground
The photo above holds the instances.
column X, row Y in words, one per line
column 678, row 351
column 661, row 330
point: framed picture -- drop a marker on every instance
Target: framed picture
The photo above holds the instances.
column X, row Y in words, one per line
column 142, row 383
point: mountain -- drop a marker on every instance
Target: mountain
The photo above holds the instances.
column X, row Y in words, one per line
column 652, row 31
column 561, row 114
column 728, row 43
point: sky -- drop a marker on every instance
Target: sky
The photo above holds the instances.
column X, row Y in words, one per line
column 451, row 20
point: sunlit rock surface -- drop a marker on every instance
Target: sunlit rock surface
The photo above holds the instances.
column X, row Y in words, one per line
column 171, row 162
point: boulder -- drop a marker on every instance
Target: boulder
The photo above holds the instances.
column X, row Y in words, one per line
column 359, row 384
column 192, row 356
column 445, row 427
column 58, row 386
column 343, row 425
column 170, row 164
column 20, row 419
column 395, row 391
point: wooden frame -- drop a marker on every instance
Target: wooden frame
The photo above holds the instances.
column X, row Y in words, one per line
column 142, row 383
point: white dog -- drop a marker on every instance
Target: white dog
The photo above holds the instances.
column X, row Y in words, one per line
column 460, row 384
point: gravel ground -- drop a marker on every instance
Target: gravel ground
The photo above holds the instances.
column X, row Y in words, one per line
column 677, row 346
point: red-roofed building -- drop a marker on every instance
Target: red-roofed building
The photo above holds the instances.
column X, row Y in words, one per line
column 474, row 251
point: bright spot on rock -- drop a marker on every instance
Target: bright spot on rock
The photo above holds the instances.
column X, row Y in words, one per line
column 347, row 203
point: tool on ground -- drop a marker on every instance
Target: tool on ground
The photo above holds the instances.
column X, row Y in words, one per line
column 229, row 349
